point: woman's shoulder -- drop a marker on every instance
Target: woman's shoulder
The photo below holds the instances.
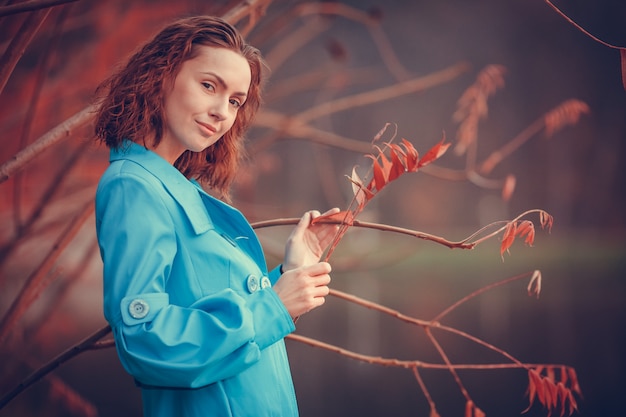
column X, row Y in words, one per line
column 127, row 172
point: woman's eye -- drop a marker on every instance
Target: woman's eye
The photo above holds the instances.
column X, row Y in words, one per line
column 235, row 103
column 208, row 86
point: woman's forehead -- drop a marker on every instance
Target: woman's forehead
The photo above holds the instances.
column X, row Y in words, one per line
column 225, row 63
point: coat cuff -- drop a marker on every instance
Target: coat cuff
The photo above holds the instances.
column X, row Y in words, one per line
column 272, row 321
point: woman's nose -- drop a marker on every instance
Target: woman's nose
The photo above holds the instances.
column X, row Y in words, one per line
column 219, row 109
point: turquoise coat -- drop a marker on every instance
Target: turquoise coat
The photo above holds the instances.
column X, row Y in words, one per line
column 188, row 295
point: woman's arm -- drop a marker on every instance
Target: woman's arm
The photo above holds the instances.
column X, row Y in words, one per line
column 158, row 342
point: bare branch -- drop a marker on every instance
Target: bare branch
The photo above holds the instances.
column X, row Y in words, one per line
column 243, row 9
column 577, row 26
column 29, row 6
column 40, row 77
column 26, row 294
column 54, row 186
column 19, row 43
column 74, row 351
column 54, row 136
column 463, row 244
column 382, row 94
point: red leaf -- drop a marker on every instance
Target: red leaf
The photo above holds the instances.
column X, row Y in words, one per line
column 526, row 228
column 573, row 406
column 536, row 380
column 359, row 190
column 534, row 286
column 508, row 237
column 412, row 156
column 573, row 378
column 385, row 163
column 434, row 153
column 546, row 220
column 345, row 217
column 551, row 394
column 397, row 167
column 379, row 179
column 532, row 392
column 562, row 394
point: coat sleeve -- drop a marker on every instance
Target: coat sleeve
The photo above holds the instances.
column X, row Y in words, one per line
column 160, row 343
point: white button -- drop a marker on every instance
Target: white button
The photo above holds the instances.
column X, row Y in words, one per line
column 138, row 308
column 252, row 283
column 265, row 282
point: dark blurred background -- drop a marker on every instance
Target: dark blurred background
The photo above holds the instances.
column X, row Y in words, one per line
column 574, row 175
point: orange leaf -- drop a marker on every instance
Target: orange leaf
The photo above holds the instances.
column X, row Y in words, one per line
column 573, row 378
column 508, row 237
column 532, row 392
column 360, row 192
column 573, row 406
column 412, row 156
column 526, row 228
column 546, row 220
column 434, row 153
column 345, row 217
column 551, row 394
column 534, row 286
column 379, row 179
column 534, row 381
column 562, row 394
column 385, row 163
column 397, row 167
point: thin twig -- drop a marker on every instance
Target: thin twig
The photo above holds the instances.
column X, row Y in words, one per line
column 429, row 398
column 476, row 293
column 418, row 322
column 577, row 26
column 294, row 42
column 53, row 188
column 19, row 43
column 449, row 365
column 283, row 125
column 383, row 94
column 243, row 9
column 398, row 363
column 463, row 244
column 498, row 155
column 29, row 6
column 384, row 47
column 72, row 352
column 40, row 77
column 18, row 306
column 54, row 136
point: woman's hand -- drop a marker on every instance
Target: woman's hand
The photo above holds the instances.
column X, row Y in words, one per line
column 307, row 242
column 303, row 289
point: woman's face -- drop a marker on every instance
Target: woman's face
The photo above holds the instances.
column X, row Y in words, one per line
column 203, row 102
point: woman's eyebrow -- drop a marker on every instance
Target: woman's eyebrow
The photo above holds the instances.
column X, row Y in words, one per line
column 223, row 84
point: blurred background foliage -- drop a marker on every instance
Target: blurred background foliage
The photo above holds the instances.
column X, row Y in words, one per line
column 321, row 52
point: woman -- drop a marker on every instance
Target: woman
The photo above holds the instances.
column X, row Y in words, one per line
column 198, row 320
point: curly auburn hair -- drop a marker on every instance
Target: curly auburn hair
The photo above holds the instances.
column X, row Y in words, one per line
column 131, row 104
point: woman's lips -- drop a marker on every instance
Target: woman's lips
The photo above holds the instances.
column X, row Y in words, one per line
column 207, row 128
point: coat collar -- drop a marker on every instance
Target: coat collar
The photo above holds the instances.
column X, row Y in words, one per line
column 185, row 192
